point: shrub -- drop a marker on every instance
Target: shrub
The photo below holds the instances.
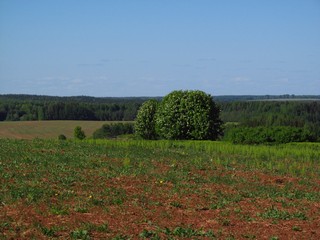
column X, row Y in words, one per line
column 113, row 130
column 62, row 137
column 78, row 133
column 145, row 122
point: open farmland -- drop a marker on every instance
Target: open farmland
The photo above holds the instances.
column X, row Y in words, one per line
column 46, row 129
column 158, row 190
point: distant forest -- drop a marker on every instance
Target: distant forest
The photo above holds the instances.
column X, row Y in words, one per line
column 249, row 111
column 34, row 107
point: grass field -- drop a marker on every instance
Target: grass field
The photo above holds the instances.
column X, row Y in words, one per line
column 46, row 129
column 52, row 189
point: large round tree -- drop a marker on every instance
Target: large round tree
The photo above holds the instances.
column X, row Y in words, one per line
column 188, row 115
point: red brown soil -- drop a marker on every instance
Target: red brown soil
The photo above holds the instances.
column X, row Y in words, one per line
column 155, row 209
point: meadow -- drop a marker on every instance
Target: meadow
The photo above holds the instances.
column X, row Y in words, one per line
column 104, row 189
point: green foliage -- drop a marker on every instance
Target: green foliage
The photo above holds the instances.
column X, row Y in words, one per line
column 275, row 213
column 78, row 133
column 261, row 135
column 80, row 234
column 181, row 232
column 113, row 130
column 49, row 232
column 188, row 232
column 188, row 115
column 145, row 121
column 59, row 210
column 300, row 114
column 148, row 234
column 62, row 137
column 32, row 107
column 251, row 111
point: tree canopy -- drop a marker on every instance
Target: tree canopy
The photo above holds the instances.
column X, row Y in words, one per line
column 180, row 115
column 145, row 121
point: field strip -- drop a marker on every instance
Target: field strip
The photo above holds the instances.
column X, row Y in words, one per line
column 46, row 129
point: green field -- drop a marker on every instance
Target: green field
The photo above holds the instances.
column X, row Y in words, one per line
column 103, row 189
column 46, row 129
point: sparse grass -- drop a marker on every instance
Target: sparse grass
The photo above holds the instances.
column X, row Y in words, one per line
column 156, row 189
column 275, row 213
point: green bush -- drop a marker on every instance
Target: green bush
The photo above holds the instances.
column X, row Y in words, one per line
column 113, row 130
column 62, row 137
column 188, row 115
column 145, row 122
column 78, row 133
column 261, row 135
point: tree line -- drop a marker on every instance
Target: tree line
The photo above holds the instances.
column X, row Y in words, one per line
column 285, row 111
column 275, row 113
column 272, row 121
column 53, row 109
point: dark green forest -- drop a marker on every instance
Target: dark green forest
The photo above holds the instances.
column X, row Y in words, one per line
column 34, row 107
column 273, row 113
column 302, row 112
column 302, row 118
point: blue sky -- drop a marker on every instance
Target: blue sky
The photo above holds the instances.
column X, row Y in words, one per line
column 152, row 47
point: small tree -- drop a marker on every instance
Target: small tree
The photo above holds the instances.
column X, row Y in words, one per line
column 188, row 115
column 145, row 121
column 78, row 133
